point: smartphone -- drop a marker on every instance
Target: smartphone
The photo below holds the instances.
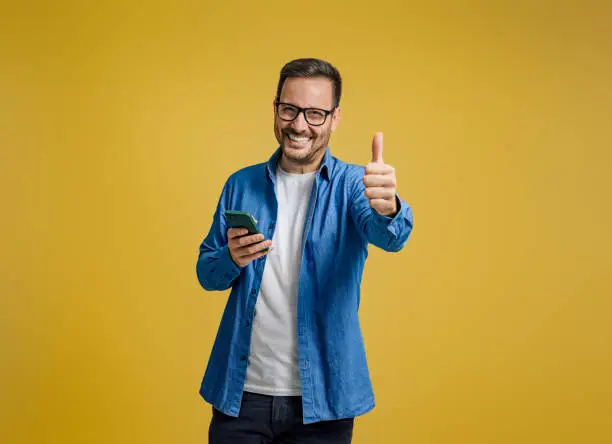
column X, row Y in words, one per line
column 242, row 219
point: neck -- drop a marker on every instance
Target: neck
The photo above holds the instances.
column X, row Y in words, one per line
column 301, row 168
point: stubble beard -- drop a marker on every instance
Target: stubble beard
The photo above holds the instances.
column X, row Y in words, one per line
column 304, row 157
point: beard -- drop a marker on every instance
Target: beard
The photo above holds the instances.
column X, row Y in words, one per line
column 302, row 153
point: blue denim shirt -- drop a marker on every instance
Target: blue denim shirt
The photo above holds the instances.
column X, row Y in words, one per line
column 340, row 223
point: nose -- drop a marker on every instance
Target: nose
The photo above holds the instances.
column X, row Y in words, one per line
column 299, row 124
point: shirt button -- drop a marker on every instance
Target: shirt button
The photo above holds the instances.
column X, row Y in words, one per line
column 253, row 291
column 243, row 358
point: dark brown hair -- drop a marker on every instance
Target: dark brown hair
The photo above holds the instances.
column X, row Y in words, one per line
column 311, row 68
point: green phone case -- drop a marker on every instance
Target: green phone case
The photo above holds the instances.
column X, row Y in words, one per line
column 241, row 219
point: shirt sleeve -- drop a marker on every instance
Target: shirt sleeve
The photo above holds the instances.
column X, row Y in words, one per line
column 215, row 268
column 388, row 233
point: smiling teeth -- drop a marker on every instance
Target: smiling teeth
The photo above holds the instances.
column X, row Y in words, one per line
column 298, row 139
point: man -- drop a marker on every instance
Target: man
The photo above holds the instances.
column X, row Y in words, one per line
column 288, row 364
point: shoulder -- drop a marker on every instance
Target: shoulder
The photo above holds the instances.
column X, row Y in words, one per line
column 245, row 176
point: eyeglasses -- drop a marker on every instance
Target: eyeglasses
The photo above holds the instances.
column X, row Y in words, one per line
column 314, row 116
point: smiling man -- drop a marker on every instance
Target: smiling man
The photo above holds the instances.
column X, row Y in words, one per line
column 288, row 364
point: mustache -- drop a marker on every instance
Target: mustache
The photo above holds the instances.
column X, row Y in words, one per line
column 293, row 133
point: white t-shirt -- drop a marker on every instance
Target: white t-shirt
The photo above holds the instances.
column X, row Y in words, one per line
column 273, row 359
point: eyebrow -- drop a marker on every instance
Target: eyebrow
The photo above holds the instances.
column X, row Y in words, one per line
column 307, row 107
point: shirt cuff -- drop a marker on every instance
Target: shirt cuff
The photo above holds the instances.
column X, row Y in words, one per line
column 391, row 223
column 227, row 266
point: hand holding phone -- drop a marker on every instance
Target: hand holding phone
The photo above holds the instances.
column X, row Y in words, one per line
column 245, row 241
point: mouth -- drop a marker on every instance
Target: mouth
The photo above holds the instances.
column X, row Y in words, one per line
column 295, row 141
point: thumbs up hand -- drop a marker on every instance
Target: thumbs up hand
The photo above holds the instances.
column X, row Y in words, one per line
column 380, row 181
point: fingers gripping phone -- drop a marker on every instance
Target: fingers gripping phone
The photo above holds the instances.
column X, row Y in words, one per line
column 242, row 219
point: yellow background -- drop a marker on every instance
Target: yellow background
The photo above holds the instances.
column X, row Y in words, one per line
column 120, row 121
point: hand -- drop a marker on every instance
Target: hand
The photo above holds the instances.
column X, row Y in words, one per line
column 244, row 249
column 380, row 181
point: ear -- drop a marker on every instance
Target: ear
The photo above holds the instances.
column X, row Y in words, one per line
column 336, row 119
column 274, row 105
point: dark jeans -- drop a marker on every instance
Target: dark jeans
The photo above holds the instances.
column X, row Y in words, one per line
column 275, row 420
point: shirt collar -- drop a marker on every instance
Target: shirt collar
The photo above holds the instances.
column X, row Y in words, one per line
column 324, row 170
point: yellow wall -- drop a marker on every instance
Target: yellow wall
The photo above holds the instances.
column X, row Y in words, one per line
column 119, row 123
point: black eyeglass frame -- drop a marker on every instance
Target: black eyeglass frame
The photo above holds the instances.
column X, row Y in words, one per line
column 303, row 111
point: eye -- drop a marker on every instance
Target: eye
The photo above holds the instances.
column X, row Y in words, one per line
column 316, row 114
column 286, row 109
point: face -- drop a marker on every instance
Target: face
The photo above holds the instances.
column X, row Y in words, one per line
column 303, row 145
